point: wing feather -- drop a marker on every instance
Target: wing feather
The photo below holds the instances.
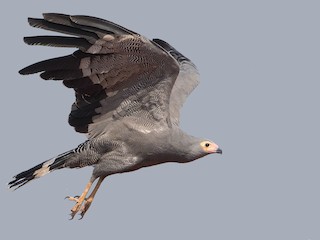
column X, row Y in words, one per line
column 58, row 41
column 66, row 29
column 187, row 80
column 116, row 73
column 102, row 24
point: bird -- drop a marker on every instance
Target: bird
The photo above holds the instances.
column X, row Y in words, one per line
column 129, row 91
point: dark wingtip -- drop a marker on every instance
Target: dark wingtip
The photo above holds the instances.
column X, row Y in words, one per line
column 50, row 16
column 158, row 40
column 30, row 19
column 27, row 40
column 24, row 71
column 28, row 70
column 174, row 52
column 34, row 22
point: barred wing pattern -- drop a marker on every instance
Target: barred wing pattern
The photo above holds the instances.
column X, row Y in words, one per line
column 116, row 73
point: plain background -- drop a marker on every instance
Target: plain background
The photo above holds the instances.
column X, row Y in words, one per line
column 258, row 99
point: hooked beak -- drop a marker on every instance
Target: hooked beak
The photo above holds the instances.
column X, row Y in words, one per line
column 219, row 150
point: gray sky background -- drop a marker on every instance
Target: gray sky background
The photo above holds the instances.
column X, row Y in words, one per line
column 258, row 99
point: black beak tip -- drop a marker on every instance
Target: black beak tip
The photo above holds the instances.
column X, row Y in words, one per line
column 219, row 150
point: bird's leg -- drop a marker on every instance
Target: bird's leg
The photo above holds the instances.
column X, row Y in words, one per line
column 89, row 200
column 80, row 199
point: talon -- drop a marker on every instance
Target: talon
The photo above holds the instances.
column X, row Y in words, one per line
column 73, row 213
column 75, row 209
column 84, row 209
column 71, row 216
column 83, row 203
column 75, row 198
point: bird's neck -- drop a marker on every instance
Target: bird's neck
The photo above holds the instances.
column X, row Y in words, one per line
column 180, row 144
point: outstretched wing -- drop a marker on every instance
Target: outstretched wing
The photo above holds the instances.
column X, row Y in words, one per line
column 187, row 80
column 116, row 73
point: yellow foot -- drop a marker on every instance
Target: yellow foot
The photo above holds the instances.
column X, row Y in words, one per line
column 75, row 209
column 83, row 203
column 85, row 207
column 79, row 201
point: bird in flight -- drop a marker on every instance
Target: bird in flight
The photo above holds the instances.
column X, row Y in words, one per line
column 129, row 91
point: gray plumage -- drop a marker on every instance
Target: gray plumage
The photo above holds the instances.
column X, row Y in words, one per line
column 129, row 92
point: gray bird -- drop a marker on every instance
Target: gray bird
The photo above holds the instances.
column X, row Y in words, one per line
column 129, row 92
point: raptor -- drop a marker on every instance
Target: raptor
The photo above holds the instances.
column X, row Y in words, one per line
column 129, row 91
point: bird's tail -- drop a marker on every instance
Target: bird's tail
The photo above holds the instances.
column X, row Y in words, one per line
column 40, row 170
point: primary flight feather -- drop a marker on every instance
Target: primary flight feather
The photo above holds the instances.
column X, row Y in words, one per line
column 129, row 92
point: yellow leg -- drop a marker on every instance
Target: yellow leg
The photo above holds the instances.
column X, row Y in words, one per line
column 89, row 200
column 80, row 199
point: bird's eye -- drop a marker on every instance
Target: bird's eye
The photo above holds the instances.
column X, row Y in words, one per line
column 207, row 144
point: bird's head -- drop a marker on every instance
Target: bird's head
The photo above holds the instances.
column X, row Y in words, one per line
column 186, row 148
column 201, row 148
column 209, row 147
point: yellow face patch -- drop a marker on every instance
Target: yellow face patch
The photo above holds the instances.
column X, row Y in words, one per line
column 209, row 147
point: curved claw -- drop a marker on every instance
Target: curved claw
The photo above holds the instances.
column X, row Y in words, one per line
column 72, row 215
column 75, row 210
column 75, row 198
column 82, row 203
column 85, row 207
